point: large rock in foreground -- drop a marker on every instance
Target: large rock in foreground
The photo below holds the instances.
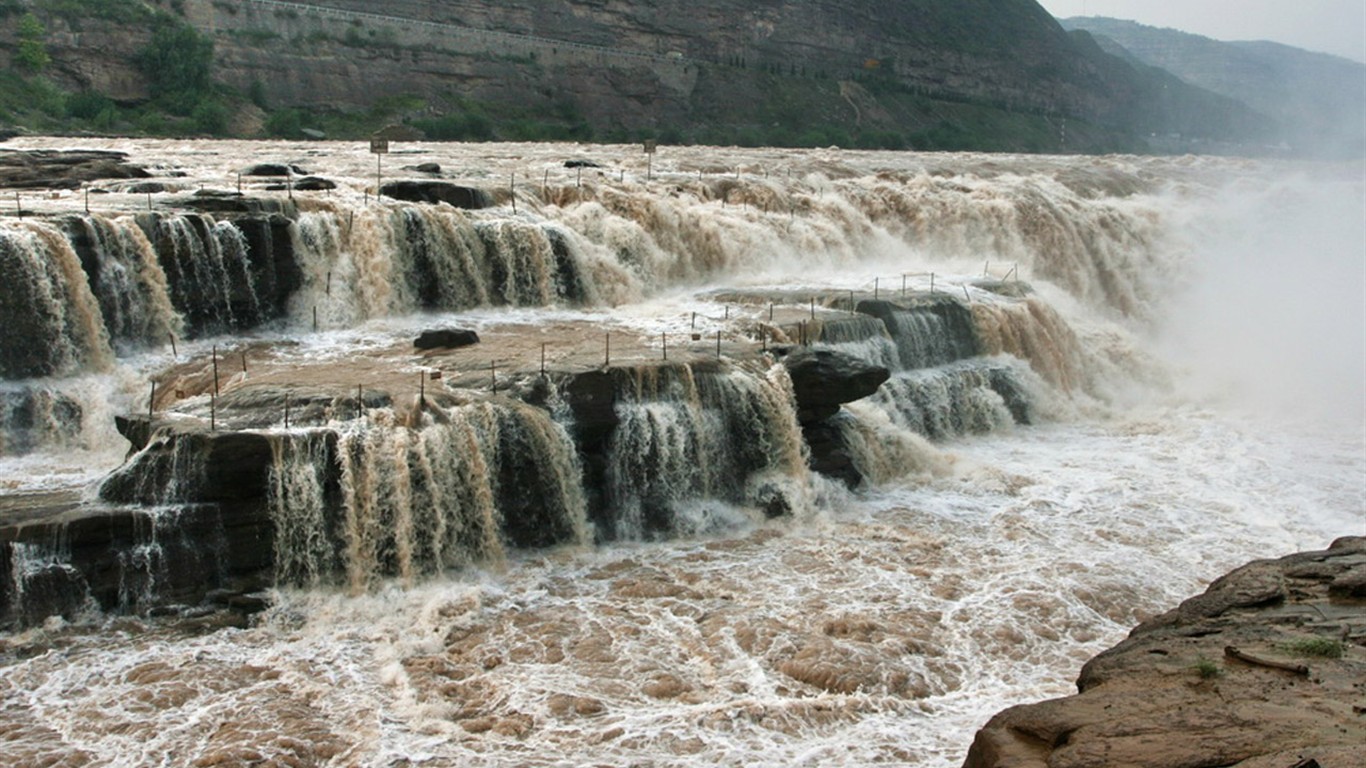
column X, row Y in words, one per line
column 1266, row 669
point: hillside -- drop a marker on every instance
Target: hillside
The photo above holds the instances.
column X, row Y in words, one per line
column 1319, row 101
column 977, row 74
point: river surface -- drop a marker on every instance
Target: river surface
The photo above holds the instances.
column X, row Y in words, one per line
column 1205, row 408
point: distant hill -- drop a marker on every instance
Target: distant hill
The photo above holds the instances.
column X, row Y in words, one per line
column 1318, row 100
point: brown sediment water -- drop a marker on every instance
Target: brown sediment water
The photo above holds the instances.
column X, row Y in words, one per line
column 1036, row 483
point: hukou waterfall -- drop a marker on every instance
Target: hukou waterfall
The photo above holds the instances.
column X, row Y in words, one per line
column 559, row 455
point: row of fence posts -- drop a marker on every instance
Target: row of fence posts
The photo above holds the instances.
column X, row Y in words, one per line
column 512, row 186
column 804, row 338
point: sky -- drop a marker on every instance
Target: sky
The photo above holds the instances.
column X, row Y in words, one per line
column 1329, row 26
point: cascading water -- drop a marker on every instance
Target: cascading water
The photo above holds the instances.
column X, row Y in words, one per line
column 361, row 502
column 123, row 272
column 967, row 574
column 34, row 417
column 692, row 435
column 208, row 269
column 51, row 318
column 404, row 258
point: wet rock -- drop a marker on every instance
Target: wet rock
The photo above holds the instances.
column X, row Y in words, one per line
column 432, row 168
column 1217, row 681
column 446, row 338
column 306, row 184
column 128, row 559
column 146, row 188
column 54, row 169
column 929, row 330
column 830, row 452
column 314, row 184
column 824, row 379
column 224, row 202
column 434, row 192
column 274, row 169
column 581, row 164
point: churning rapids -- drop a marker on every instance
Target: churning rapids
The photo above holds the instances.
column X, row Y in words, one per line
column 1109, row 380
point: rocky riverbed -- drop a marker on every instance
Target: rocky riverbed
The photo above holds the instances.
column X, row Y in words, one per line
column 1266, row 669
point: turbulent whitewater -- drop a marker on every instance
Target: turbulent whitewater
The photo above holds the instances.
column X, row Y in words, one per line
column 613, row 533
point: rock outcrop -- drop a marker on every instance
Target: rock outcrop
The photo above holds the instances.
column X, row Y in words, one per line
column 823, row 380
column 53, row 169
column 422, row 191
column 1266, row 669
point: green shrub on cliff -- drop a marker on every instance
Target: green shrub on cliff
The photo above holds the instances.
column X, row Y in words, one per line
column 76, row 11
column 1207, row 669
column 178, row 63
column 32, row 53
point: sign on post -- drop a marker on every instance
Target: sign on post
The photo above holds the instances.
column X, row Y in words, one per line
column 650, row 146
column 379, row 148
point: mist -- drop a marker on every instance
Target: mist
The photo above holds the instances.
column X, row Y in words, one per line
column 1270, row 318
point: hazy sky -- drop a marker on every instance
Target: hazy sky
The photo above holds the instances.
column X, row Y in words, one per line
column 1330, row 26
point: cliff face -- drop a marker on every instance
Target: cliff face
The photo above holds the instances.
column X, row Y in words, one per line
column 974, row 74
column 1264, row 670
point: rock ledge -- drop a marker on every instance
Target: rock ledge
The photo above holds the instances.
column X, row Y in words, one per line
column 1266, row 669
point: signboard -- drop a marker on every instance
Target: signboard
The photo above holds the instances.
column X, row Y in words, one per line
column 650, row 145
column 379, row 146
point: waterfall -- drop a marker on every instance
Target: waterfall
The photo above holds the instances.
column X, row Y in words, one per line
column 360, row 502
column 361, row 264
column 51, row 319
column 928, row 331
column 862, row 336
column 694, row 433
column 34, row 417
column 207, row 265
column 954, row 400
column 124, row 274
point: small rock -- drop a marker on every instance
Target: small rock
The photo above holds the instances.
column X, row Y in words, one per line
column 446, row 338
column 274, row 169
column 581, row 164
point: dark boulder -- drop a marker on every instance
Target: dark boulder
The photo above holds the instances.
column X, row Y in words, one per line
column 824, row 379
column 446, row 338
column 830, row 452
column 146, row 188
column 434, row 192
column 581, row 164
column 432, row 168
column 314, row 184
column 274, row 169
